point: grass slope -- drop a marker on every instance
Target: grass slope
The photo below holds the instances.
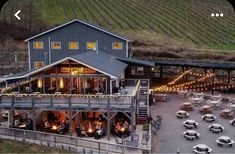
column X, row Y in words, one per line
column 9, row 146
column 174, row 22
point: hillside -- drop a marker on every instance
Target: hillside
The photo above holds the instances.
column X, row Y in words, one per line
column 176, row 23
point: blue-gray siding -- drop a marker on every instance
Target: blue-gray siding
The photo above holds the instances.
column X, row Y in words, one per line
column 74, row 32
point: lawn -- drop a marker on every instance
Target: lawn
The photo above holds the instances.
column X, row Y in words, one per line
column 10, row 146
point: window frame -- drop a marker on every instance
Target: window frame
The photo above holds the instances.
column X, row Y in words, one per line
column 73, row 48
column 91, row 42
column 55, row 48
column 117, row 48
column 135, row 69
column 38, row 62
column 38, row 42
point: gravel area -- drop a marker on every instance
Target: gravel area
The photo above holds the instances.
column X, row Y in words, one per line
column 170, row 136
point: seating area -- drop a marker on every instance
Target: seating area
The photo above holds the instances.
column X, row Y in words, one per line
column 207, row 121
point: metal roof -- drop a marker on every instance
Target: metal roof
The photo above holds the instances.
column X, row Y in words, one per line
column 85, row 23
column 101, row 62
column 196, row 63
column 137, row 61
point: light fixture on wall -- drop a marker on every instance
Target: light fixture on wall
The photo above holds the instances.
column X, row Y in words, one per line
column 39, row 82
column 61, row 83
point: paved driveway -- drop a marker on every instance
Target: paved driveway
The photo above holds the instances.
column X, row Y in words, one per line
column 171, row 131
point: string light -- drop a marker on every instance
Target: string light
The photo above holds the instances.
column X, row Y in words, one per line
column 195, row 85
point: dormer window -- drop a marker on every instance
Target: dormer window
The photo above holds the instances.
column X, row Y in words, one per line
column 117, row 45
column 55, row 45
column 73, row 45
column 38, row 45
column 38, row 64
column 91, row 45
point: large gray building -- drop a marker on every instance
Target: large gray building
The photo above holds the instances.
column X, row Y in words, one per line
column 73, row 38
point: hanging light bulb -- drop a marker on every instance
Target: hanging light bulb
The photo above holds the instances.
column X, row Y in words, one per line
column 39, row 83
column 61, row 83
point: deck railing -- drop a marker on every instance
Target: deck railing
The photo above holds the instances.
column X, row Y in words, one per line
column 123, row 100
column 65, row 101
column 75, row 144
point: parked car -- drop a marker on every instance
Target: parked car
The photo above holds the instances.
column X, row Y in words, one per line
column 189, row 124
column 182, row 114
column 224, row 140
column 202, row 149
column 191, row 134
column 216, row 128
column 208, row 118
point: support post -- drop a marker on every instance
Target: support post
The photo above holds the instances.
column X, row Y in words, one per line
column 213, row 83
column 70, row 78
column 70, row 118
column 43, row 85
column 108, row 120
column 11, row 113
column 11, row 118
column 56, row 79
column 106, row 85
column 132, row 119
column 6, row 84
column 161, row 72
column 18, row 87
column 33, row 115
column 229, row 74
column 30, row 85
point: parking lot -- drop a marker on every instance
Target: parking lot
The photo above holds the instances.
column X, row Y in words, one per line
column 170, row 137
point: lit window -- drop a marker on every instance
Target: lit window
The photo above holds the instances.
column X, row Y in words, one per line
column 38, row 45
column 139, row 70
column 73, row 45
column 91, row 45
column 56, row 45
column 117, row 45
column 38, row 64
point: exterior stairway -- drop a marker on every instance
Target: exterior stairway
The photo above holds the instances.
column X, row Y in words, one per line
column 143, row 101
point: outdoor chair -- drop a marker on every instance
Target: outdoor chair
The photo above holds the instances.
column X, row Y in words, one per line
column 119, row 142
column 145, row 138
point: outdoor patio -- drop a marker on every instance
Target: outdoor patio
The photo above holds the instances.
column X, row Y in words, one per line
column 170, row 137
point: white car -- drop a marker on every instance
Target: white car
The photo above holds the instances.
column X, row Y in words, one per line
column 216, row 128
column 208, row 118
column 191, row 134
column 182, row 114
column 224, row 140
column 202, row 149
column 189, row 124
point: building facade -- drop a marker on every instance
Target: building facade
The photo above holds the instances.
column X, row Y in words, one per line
column 80, row 72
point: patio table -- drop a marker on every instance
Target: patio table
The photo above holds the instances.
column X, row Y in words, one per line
column 226, row 113
column 205, row 109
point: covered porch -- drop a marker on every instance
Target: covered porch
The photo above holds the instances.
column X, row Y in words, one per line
column 68, row 76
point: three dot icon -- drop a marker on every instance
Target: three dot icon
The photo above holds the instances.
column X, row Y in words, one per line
column 217, row 14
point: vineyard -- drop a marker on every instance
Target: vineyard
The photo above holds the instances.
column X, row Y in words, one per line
column 184, row 21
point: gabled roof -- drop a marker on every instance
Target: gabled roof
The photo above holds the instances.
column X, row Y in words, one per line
column 85, row 23
column 137, row 61
column 101, row 62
